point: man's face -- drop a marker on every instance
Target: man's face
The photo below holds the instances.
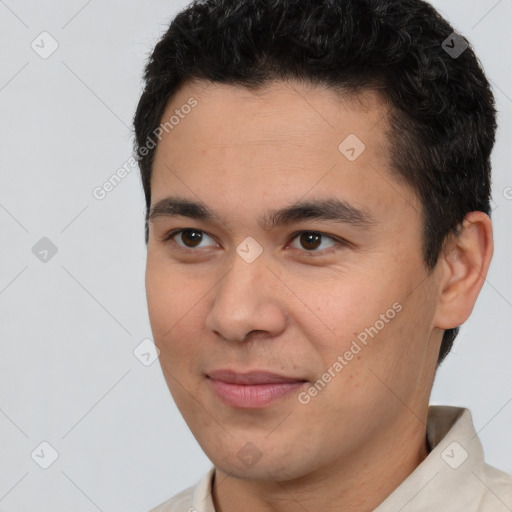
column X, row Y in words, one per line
column 344, row 304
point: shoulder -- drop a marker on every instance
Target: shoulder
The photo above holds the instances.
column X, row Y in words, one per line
column 180, row 502
column 498, row 489
column 196, row 498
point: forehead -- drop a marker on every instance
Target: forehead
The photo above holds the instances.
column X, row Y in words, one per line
column 284, row 112
column 286, row 140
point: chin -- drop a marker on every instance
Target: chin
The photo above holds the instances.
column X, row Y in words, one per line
column 251, row 463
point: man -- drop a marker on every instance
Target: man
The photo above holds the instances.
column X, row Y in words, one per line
column 317, row 179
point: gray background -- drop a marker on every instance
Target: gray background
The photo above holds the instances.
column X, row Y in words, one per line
column 69, row 325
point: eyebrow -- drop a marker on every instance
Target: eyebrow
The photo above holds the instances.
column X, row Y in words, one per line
column 330, row 209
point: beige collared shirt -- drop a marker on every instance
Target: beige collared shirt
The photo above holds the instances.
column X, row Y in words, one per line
column 453, row 477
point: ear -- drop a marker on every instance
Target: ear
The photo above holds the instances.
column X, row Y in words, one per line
column 463, row 264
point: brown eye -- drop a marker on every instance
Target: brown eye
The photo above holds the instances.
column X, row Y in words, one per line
column 191, row 237
column 311, row 241
column 188, row 238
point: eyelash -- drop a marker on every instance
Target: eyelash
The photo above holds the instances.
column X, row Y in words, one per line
column 169, row 236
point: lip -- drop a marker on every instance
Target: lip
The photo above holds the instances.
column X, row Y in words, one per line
column 252, row 390
column 252, row 377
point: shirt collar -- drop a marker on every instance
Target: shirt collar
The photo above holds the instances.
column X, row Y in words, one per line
column 451, row 476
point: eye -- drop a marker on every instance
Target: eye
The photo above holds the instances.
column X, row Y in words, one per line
column 190, row 238
column 312, row 240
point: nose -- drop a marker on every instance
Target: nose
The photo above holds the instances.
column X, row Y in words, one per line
column 250, row 298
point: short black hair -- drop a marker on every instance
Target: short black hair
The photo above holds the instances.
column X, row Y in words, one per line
column 442, row 117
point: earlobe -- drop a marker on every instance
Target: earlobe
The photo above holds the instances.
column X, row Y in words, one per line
column 464, row 265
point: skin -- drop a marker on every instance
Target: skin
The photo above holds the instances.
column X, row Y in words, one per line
column 290, row 312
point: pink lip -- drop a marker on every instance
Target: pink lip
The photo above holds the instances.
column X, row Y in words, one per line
column 252, row 377
column 252, row 390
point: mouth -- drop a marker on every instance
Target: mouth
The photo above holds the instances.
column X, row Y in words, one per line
column 252, row 390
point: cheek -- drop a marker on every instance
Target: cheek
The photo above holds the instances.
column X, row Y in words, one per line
column 174, row 309
column 173, row 305
column 345, row 308
column 364, row 334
